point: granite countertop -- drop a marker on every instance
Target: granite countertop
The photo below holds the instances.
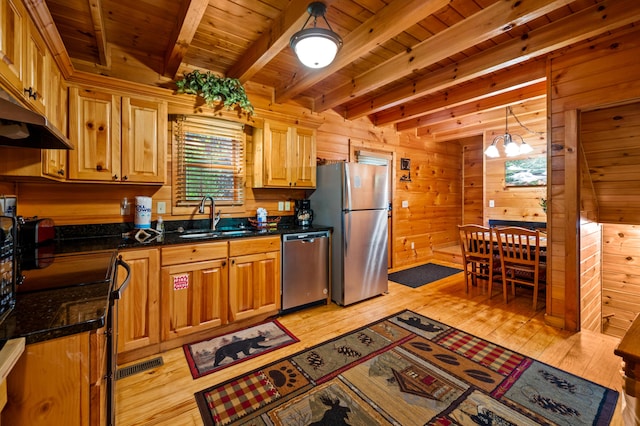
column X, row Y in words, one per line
column 50, row 313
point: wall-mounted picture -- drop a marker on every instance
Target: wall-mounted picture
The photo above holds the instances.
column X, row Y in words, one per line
column 527, row 172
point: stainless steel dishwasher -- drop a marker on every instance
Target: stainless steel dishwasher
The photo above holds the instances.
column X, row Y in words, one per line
column 305, row 269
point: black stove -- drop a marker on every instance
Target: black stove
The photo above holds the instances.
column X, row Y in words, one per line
column 47, row 271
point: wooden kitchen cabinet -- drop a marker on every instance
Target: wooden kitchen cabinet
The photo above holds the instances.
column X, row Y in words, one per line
column 13, row 25
column 195, row 293
column 50, row 384
column 284, row 157
column 116, row 139
column 139, row 307
column 254, row 277
column 54, row 161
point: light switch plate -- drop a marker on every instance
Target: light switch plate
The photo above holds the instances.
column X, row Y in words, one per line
column 492, row 203
column 405, row 204
column 280, row 205
column 162, row 207
column 287, row 205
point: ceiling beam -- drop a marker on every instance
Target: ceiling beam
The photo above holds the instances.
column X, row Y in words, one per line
column 495, row 84
column 529, row 92
column 272, row 42
column 481, row 26
column 99, row 30
column 572, row 29
column 385, row 24
column 189, row 19
column 527, row 112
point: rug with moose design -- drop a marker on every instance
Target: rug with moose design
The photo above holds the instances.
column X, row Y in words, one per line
column 407, row 369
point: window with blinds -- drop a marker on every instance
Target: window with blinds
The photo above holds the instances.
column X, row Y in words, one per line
column 210, row 161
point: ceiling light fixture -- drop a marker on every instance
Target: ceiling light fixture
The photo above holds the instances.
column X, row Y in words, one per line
column 511, row 148
column 316, row 47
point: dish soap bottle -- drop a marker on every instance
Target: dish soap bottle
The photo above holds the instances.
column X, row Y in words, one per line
column 160, row 226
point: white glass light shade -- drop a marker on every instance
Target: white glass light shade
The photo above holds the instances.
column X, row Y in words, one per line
column 316, row 47
column 510, row 147
column 525, row 148
column 492, row 151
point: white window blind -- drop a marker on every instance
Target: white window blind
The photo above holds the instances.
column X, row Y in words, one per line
column 210, row 157
column 375, row 158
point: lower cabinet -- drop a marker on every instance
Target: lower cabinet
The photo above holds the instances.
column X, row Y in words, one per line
column 194, row 294
column 139, row 307
column 254, row 277
column 54, row 383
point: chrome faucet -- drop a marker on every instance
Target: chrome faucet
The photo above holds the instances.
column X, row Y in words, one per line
column 215, row 218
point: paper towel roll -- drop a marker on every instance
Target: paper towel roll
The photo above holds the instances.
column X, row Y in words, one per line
column 142, row 219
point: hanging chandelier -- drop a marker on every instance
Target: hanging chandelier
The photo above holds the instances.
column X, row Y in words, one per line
column 511, row 148
column 316, row 47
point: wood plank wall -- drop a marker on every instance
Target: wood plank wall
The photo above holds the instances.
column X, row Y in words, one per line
column 473, row 181
column 590, row 255
column 620, row 277
column 600, row 72
column 514, row 203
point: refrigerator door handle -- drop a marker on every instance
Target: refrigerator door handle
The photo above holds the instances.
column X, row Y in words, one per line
column 347, row 189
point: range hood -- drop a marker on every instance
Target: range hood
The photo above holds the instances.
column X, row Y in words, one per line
column 21, row 127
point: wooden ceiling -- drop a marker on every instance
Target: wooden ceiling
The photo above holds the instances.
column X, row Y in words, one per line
column 426, row 65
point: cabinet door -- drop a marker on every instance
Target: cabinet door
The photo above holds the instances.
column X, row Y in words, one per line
column 13, row 21
column 138, row 309
column 303, row 163
column 194, row 297
column 94, row 130
column 35, row 72
column 276, row 155
column 144, row 130
column 49, row 385
column 54, row 161
column 254, row 285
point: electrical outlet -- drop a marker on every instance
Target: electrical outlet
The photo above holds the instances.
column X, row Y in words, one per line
column 162, row 207
column 492, row 203
column 405, row 204
column 413, row 246
column 280, row 205
column 287, row 205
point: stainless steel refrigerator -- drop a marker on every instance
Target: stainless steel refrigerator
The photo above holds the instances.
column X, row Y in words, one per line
column 354, row 198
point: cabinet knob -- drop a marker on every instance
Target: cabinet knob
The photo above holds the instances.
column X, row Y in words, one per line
column 99, row 168
column 61, row 172
column 224, row 263
column 125, row 177
column 115, row 177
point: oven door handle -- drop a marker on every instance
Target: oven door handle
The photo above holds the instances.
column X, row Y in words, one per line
column 117, row 294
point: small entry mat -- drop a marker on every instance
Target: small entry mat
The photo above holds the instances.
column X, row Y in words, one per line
column 423, row 274
column 210, row 355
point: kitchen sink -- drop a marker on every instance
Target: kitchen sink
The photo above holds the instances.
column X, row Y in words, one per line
column 195, row 234
column 237, row 232
column 200, row 235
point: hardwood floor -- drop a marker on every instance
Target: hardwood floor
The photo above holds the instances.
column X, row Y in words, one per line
column 164, row 395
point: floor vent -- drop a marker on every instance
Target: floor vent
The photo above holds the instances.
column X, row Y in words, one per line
column 138, row 368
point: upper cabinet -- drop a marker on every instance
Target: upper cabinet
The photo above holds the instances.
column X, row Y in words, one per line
column 284, row 157
column 22, row 55
column 116, row 139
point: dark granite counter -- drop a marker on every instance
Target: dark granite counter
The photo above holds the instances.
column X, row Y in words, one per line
column 69, row 309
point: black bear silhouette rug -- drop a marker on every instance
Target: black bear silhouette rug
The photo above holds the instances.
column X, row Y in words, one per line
column 407, row 369
column 423, row 274
column 210, row 355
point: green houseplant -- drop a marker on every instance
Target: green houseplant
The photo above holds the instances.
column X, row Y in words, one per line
column 228, row 91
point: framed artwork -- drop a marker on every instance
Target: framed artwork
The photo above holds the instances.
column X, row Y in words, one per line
column 526, row 172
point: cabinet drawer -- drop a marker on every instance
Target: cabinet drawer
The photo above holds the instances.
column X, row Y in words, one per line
column 253, row 245
column 193, row 253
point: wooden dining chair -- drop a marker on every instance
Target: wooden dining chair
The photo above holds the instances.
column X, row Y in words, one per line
column 520, row 259
column 478, row 254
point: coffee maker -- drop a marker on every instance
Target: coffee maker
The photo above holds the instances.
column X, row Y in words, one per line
column 303, row 213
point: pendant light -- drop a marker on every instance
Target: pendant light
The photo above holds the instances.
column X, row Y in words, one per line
column 316, row 47
column 511, row 148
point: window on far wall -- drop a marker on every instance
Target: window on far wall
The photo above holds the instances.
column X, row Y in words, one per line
column 209, row 159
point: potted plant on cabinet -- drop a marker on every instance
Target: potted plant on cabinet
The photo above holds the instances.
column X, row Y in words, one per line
column 224, row 91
